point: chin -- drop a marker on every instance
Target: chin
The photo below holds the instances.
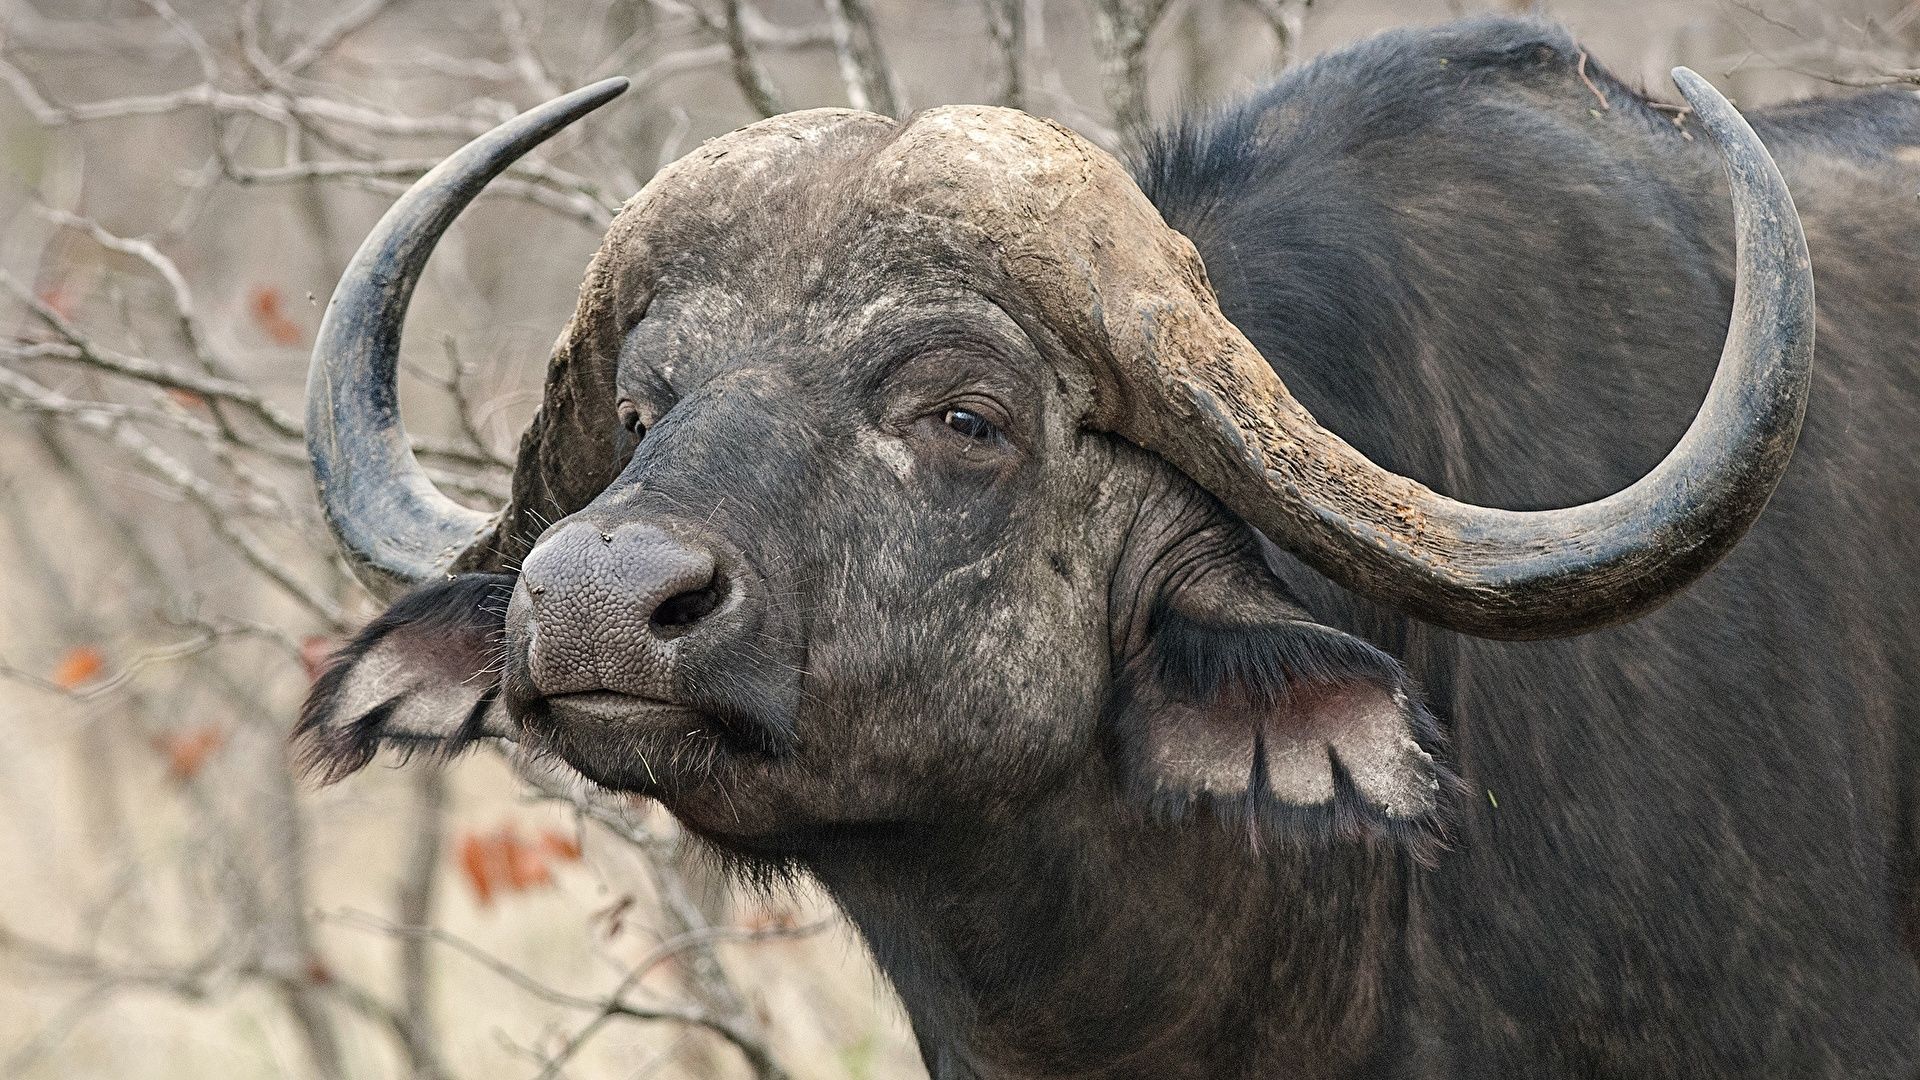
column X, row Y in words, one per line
column 700, row 767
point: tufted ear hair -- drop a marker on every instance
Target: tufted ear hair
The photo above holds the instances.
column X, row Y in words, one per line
column 1239, row 707
column 423, row 676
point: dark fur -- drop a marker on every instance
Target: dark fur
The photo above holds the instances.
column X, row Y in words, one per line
column 1690, row 849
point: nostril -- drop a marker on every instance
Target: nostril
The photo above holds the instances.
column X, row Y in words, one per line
column 680, row 613
column 584, row 582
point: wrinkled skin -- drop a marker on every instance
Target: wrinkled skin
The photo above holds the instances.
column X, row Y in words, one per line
column 774, row 388
column 1032, row 554
column 841, row 398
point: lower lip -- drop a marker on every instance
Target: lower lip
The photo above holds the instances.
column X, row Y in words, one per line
column 607, row 705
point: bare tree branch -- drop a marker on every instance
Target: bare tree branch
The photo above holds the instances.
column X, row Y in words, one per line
column 1122, row 29
column 863, row 66
column 275, row 106
column 200, row 980
column 28, row 29
column 112, row 423
column 414, row 906
column 747, row 70
column 100, row 688
column 526, row 58
column 329, row 37
column 672, row 947
column 80, row 349
column 755, row 29
column 616, row 1005
column 1007, row 28
column 1287, row 19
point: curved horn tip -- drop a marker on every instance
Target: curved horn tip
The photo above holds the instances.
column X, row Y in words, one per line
column 1684, row 76
column 395, row 527
column 574, row 104
column 1701, row 94
column 603, row 91
column 1553, row 573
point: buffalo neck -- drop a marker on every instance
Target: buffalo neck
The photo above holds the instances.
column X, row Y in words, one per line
column 1079, row 938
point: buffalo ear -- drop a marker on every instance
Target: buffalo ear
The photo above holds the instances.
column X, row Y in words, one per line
column 1240, row 707
column 424, row 675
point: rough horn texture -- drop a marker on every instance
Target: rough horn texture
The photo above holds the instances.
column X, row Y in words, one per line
column 395, row 527
column 1064, row 240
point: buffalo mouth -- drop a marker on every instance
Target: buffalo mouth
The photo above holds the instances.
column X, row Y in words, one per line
column 641, row 745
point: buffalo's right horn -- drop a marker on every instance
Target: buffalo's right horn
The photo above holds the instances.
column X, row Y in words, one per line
column 396, row 528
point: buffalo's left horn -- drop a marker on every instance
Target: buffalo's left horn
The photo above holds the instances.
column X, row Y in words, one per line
column 1194, row 390
column 395, row 526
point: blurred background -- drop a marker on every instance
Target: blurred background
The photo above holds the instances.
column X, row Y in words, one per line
column 180, row 186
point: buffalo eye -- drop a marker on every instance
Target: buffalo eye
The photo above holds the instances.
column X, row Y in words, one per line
column 971, row 424
column 630, row 419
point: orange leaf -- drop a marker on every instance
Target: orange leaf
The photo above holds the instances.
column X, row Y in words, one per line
column 187, row 751
column 186, row 399
column 59, row 298
column 264, row 300
column 525, row 868
column 269, row 313
column 562, row 847
column 82, row 664
column 477, row 862
column 501, row 862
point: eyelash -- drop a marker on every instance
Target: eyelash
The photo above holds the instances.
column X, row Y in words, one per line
column 971, row 425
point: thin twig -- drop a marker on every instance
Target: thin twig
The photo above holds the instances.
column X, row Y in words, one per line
column 275, row 106
column 1007, row 28
column 189, row 323
column 329, row 37
column 747, row 70
column 100, row 688
column 1122, row 29
column 80, row 348
column 1287, row 19
column 667, row 950
column 863, row 65
column 112, row 422
column 615, row 1004
column 526, row 58
column 1581, row 70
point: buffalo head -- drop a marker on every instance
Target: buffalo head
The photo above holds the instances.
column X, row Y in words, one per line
column 891, row 471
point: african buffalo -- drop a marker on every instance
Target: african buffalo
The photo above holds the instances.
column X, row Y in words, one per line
column 942, row 511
